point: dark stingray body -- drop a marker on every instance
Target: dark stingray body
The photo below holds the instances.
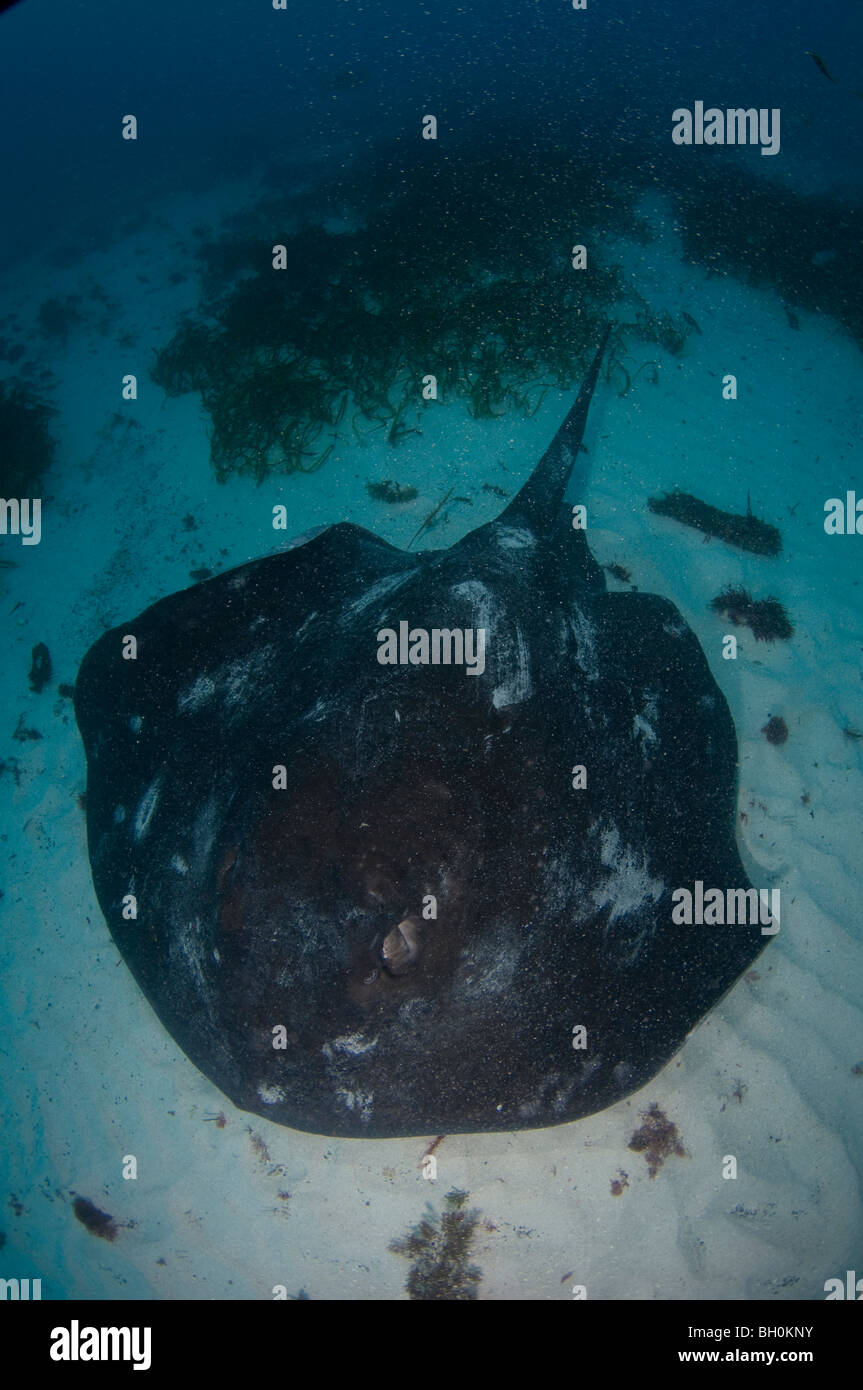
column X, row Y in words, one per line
column 262, row 909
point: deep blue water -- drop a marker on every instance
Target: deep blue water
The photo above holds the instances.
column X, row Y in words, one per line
column 218, row 87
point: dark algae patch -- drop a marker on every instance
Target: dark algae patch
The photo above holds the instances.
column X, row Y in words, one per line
column 97, row 1222
column 766, row 617
column 24, row 735
column 333, row 335
column 439, row 1248
column 775, row 730
column 746, row 532
column 26, row 443
column 782, row 230
column 388, row 491
column 657, row 1139
column 619, row 572
column 40, row 670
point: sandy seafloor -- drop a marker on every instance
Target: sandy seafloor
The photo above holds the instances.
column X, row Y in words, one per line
column 90, row 1075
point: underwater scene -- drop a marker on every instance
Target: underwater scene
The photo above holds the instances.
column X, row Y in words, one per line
column 432, row 708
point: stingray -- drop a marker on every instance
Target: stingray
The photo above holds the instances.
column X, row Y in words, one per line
column 374, row 897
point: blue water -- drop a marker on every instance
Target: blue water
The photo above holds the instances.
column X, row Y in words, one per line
column 218, row 87
column 321, row 104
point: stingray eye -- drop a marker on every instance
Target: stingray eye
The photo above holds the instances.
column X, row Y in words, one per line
column 402, row 947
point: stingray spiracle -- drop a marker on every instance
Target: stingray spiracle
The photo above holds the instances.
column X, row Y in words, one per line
column 402, row 947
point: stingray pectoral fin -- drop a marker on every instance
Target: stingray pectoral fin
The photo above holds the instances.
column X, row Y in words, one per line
column 184, row 711
column 657, row 680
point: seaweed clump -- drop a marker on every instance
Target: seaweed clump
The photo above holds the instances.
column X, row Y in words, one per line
column 40, row 670
column 459, row 275
column 97, row 1222
column 440, row 1250
column 388, row 491
column 746, row 532
column 766, row 617
column 775, row 730
column 26, row 443
column 657, row 1138
column 661, row 327
column 24, row 735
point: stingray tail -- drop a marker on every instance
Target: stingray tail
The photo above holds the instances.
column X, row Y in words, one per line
column 538, row 503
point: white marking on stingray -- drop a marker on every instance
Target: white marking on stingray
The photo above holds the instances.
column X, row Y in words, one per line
column 476, row 593
column 300, row 632
column 641, row 729
column 270, row 1095
column 204, row 830
column 485, row 607
column 515, row 538
column 320, row 710
column 354, row 1044
column 629, row 885
column 512, row 656
column 197, row 694
column 236, row 677
column 585, row 639
column 179, row 864
column 356, row 1100
column 490, row 969
column 378, row 590
column 191, row 944
column 119, row 815
column 135, row 723
column 144, row 813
